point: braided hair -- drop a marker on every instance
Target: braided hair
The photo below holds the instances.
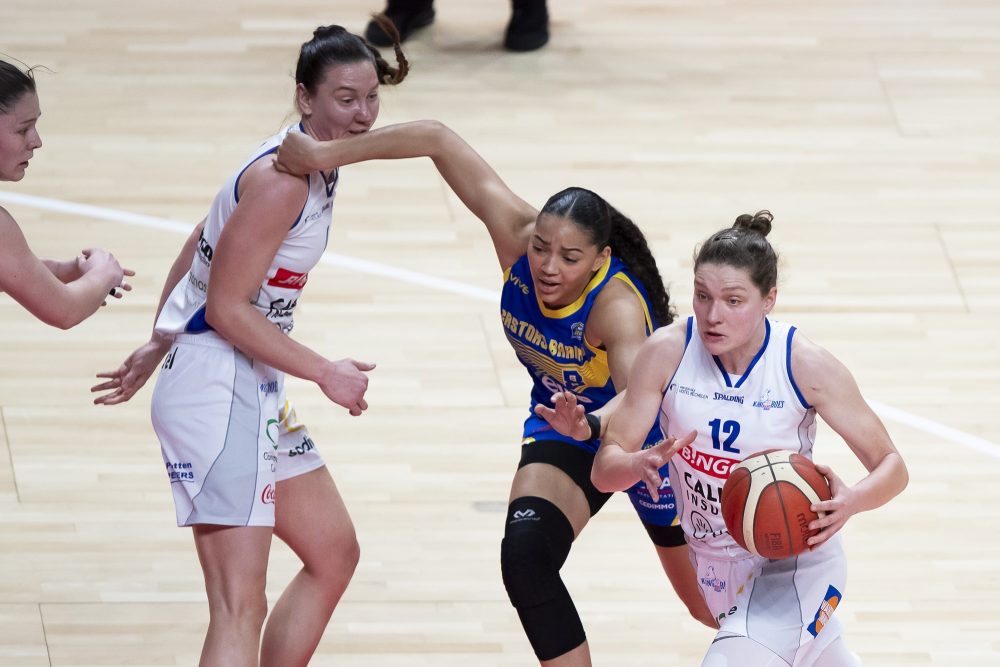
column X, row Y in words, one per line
column 333, row 45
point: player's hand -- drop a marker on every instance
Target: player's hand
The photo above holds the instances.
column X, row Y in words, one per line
column 566, row 417
column 119, row 291
column 647, row 462
column 121, row 384
column 838, row 509
column 98, row 259
column 296, row 154
column 104, row 263
column 344, row 382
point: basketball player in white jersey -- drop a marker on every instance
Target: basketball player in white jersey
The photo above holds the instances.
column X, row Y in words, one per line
column 60, row 293
column 241, row 467
column 729, row 383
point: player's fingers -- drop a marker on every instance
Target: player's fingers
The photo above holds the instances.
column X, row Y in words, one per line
column 107, row 399
column 822, row 536
column 827, row 472
column 110, row 384
column 653, row 486
column 825, row 506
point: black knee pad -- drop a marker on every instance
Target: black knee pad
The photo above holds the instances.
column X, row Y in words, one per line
column 536, row 543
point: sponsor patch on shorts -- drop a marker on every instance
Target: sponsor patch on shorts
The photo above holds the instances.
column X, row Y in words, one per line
column 825, row 611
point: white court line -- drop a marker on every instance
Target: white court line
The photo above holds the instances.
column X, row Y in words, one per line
column 404, row 275
column 934, row 428
column 331, row 258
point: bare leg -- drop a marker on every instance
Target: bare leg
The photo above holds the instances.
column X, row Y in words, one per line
column 234, row 562
column 310, row 516
column 677, row 564
column 578, row 657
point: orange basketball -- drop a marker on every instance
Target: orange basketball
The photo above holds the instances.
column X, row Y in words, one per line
column 765, row 502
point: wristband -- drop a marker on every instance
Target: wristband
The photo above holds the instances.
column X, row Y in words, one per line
column 595, row 426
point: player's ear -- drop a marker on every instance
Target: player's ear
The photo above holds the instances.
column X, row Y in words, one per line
column 303, row 100
column 601, row 258
column 770, row 299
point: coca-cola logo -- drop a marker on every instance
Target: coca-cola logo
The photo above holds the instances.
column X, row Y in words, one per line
column 267, row 495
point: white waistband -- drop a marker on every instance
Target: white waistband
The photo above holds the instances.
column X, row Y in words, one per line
column 205, row 338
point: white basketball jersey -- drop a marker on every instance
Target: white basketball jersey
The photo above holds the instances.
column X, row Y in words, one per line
column 184, row 311
column 735, row 417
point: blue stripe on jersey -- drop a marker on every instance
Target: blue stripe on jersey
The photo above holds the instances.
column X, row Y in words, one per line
column 788, row 367
column 298, row 218
column 553, row 347
column 330, row 181
column 753, row 362
column 236, row 185
column 197, row 323
column 690, row 327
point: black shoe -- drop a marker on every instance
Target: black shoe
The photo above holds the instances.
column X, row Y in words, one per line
column 529, row 26
column 408, row 15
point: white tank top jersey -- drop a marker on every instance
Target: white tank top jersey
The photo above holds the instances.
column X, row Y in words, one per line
column 184, row 310
column 735, row 417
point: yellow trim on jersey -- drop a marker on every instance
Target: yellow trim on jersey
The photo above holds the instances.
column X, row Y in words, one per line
column 595, row 372
column 645, row 311
column 506, row 273
column 566, row 311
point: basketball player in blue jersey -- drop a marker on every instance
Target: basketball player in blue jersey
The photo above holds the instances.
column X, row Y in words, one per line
column 60, row 293
column 241, row 467
column 729, row 383
column 581, row 293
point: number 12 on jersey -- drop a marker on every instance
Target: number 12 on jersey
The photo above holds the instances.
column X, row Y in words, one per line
column 731, row 429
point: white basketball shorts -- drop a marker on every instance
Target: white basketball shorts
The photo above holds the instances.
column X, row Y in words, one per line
column 227, row 433
column 786, row 605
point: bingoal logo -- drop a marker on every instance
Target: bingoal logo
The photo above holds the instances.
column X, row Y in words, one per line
column 710, row 464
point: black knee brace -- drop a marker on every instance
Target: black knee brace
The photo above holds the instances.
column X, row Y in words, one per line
column 536, row 542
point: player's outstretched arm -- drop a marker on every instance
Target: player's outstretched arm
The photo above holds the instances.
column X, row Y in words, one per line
column 121, row 384
column 33, row 284
column 621, row 461
column 507, row 217
column 828, row 386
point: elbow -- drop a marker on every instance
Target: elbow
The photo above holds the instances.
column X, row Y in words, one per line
column 597, row 478
column 438, row 136
column 903, row 475
column 64, row 319
column 64, row 323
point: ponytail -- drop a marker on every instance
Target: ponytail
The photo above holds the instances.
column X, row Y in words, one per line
column 629, row 245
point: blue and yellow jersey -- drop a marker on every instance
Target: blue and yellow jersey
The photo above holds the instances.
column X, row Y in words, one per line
column 553, row 346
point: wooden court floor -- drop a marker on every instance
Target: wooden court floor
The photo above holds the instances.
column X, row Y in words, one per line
column 870, row 129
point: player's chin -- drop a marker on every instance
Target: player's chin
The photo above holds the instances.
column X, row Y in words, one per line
column 16, row 174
